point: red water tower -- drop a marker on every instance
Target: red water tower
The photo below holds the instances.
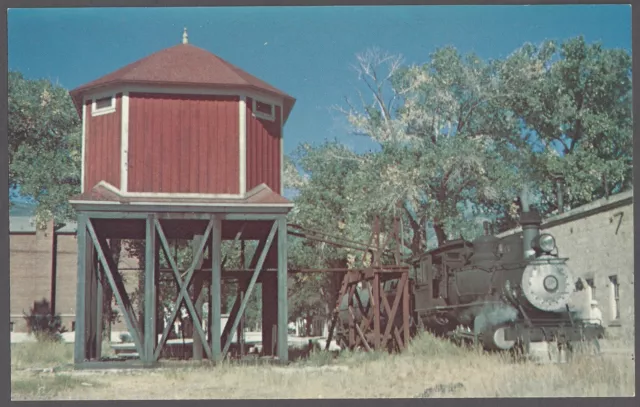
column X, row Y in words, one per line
column 181, row 145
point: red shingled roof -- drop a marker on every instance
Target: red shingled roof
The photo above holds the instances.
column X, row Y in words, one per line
column 260, row 195
column 183, row 65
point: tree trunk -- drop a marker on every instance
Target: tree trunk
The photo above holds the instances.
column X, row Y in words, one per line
column 440, row 233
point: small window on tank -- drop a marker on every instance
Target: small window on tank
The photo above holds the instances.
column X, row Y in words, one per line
column 264, row 110
column 103, row 105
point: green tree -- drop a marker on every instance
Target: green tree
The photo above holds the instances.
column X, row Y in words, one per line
column 44, row 134
column 439, row 129
column 576, row 111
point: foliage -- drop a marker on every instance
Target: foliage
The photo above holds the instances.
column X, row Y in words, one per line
column 44, row 134
column 576, row 113
column 42, row 324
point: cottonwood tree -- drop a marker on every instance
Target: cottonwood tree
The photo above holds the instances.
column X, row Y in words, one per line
column 320, row 204
column 437, row 127
column 576, row 115
column 44, row 137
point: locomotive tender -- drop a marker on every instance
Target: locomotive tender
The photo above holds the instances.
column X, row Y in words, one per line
column 504, row 292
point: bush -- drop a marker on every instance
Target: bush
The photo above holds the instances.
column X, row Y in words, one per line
column 42, row 324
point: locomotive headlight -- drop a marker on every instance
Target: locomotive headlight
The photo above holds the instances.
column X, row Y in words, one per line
column 545, row 242
column 550, row 283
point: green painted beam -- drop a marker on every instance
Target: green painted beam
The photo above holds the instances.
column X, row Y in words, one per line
column 283, row 334
column 98, row 312
column 150, row 290
column 215, row 289
column 79, row 352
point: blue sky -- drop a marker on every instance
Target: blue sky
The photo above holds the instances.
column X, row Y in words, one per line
column 304, row 51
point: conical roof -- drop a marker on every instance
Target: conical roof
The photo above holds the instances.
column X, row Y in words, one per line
column 183, row 65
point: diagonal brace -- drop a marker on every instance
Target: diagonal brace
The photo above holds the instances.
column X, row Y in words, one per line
column 184, row 286
column 118, row 289
column 254, row 277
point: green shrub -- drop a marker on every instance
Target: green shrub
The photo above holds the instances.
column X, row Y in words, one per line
column 42, row 324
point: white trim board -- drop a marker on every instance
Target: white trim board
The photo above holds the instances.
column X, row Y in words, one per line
column 187, row 90
column 281, row 151
column 243, row 143
column 84, row 143
column 124, row 143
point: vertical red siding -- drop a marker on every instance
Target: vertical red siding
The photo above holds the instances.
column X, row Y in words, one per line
column 183, row 144
column 263, row 149
column 102, row 148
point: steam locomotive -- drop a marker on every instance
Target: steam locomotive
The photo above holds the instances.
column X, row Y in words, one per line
column 503, row 292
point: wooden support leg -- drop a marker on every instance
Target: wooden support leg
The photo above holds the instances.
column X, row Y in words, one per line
column 375, row 303
column 91, row 326
column 198, row 299
column 283, row 317
column 269, row 310
column 215, row 291
column 198, row 296
column 98, row 320
column 405, row 311
column 240, row 332
column 352, row 320
column 150, row 270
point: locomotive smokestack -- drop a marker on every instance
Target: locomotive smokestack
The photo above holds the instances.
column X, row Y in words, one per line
column 530, row 221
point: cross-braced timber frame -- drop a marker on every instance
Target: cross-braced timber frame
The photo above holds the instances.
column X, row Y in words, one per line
column 207, row 227
column 384, row 321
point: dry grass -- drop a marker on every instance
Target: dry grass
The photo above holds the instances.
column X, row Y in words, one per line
column 430, row 368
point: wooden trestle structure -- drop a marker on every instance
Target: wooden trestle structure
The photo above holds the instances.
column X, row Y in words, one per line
column 389, row 292
column 206, row 227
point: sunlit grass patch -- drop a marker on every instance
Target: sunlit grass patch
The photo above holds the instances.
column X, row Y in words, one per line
column 46, row 386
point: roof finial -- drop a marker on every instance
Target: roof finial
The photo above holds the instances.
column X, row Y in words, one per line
column 185, row 36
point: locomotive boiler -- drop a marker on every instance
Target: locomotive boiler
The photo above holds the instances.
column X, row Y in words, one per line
column 503, row 292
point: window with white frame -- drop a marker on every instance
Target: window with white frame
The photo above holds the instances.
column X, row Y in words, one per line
column 264, row 110
column 614, row 295
column 103, row 105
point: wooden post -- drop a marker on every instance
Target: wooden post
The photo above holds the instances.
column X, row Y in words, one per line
column 98, row 311
column 352, row 320
column 198, row 300
column 215, row 291
column 269, row 309
column 91, row 326
column 405, row 310
column 375, row 303
column 150, row 267
column 283, row 313
column 80, row 350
